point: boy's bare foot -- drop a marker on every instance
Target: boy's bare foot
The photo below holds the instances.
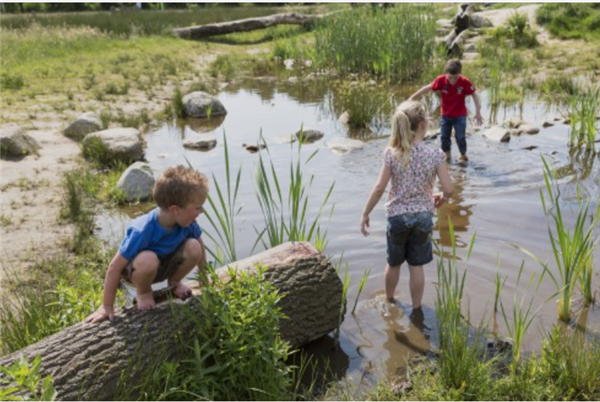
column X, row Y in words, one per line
column 181, row 291
column 463, row 157
column 145, row 301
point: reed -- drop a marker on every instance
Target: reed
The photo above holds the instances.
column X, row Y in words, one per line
column 395, row 43
column 498, row 286
column 288, row 221
column 584, row 108
column 361, row 285
column 346, row 279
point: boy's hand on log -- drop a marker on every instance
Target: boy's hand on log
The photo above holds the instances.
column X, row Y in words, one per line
column 101, row 314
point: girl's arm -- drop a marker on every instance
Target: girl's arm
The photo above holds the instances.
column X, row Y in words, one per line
column 376, row 193
column 446, row 183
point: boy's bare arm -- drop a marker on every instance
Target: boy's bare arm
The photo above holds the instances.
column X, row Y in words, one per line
column 111, row 283
column 417, row 95
column 478, row 118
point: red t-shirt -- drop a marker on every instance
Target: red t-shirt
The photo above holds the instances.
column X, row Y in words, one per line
column 453, row 96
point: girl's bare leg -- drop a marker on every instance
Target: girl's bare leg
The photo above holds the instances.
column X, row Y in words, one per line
column 392, row 276
column 417, row 284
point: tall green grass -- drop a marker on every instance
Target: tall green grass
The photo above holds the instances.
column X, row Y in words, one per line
column 24, row 377
column 288, row 221
column 584, row 109
column 395, row 43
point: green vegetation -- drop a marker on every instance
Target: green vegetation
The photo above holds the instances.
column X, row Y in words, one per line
column 235, row 352
column 394, row 43
column 517, row 30
column 584, row 107
column 23, row 377
column 363, row 101
column 571, row 20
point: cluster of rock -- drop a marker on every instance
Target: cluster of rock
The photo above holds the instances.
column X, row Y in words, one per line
column 457, row 33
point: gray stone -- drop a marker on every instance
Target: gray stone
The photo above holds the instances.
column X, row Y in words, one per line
column 136, row 182
column 203, row 142
column 515, row 131
column 344, row 118
column 293, row 79
column 478, row 21
column 14, row 142
column 84, row 124
column 528, row 129
column 547, row 124
column 470, row 48
column 115, row 144
column 309, row 135
column 200, row 104
column 497, row 133
column 344, row 145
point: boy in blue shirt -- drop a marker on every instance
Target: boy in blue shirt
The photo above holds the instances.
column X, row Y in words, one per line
column 163, row 244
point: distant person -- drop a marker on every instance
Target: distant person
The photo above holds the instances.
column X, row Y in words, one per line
column 454, row 89
column 412, row 167
column 164, row 244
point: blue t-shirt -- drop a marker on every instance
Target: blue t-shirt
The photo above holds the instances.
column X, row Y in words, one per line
column 145, row 233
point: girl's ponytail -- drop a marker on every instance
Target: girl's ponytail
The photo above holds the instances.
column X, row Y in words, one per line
column 405, row 122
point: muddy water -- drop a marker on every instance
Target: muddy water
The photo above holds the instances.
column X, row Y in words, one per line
column 496, row 198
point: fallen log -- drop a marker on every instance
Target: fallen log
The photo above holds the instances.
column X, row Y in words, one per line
column 248, row 24
column 87, row 361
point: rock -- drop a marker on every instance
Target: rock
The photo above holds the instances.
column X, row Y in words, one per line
column 497, row 133
column 442, row 22
column 514, row 131
column 441, row 31
column 372, row 83
column 84, row 124
column 289, row 64
column 344, row 118
column 252, row 148
column 478, row 21
column 470, row 56
column 293, row 79
column 115, row 144
column 308, row 136
column 308, row 63
column 136, row 182
column 513, row 123
column 547, row 124
column 344, row 145
column 202, row 142
column 567, row 121
column 200, row 104
column 14, row 142
column 529, row 129
column 470, row 48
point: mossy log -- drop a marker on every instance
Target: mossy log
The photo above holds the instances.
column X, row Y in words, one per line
column 247, row 24
column 87, row 361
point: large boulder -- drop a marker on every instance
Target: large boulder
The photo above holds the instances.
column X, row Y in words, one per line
column 309, row 135
column 83, row 125
column 497, row 133
column 479, row 21
column 136, row 182
column 202, row 142
column 200, row 104
column 343, row 145
column 113, row 145
column 14, row 142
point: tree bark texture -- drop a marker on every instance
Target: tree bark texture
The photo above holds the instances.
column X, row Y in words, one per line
column 88, row 361
column 248, row 24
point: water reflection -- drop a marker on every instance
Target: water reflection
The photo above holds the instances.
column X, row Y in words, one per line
column 201, row 125
column 457, row 210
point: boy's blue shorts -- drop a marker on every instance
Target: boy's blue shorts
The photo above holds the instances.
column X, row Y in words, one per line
column 409, row 239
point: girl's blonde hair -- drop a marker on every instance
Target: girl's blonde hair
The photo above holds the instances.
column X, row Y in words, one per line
column 404, row 125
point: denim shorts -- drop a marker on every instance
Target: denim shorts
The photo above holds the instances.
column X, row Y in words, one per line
column 409, row 239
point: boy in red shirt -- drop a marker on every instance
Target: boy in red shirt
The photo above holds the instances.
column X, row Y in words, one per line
column 454, row 88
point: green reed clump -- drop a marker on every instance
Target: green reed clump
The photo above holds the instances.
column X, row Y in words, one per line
column 235, row 351
column 288, row 221
column 363, row 101
column 395, row 43
column 584, row 109
column 572, row 247
column 518, row 30
column 23, row 377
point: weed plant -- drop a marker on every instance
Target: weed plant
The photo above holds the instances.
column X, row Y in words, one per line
column 22, row 377
column 395, row 43
column 571, row 20
column 584, row 109
column 365, row 103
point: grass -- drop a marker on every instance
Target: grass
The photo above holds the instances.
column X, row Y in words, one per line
column 584, row 107
column 395, row 43
column 517, row 30
column 236, row 352
column 289, row 221
column 21, row 376
column 366, row 104
column 571, row 20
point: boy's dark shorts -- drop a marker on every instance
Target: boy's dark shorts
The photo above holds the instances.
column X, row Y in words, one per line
column 409, row 239
column 166, row 269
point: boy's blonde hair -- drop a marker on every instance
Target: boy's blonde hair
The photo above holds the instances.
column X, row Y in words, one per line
column 404, row 124
column 179, row 186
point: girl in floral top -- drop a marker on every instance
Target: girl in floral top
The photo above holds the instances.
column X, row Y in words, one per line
column 412, row 167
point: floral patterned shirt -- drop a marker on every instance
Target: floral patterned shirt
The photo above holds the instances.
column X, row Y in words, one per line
column 412, row 186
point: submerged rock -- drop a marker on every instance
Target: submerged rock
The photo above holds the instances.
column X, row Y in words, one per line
column 529, row 129
column 309, row 135
column 14, row 142
column 136, row 182
column 497, row 133
column 86, row 123
column 202, row 142
column 344, row 145
column 547, row 124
